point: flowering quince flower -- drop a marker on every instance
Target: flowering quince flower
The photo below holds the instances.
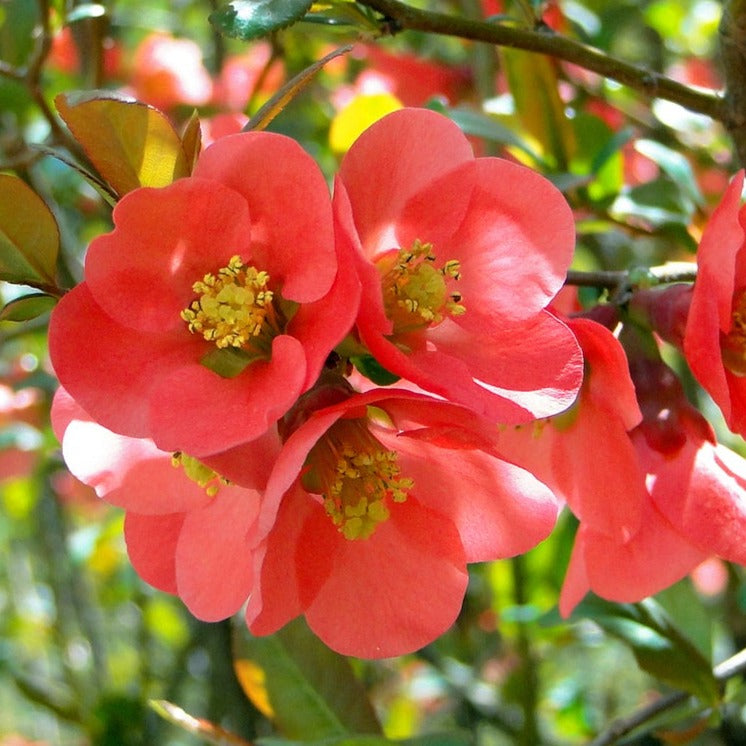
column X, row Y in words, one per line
column 715, row 336
column 458, row 257
column 188, row 531
column 213, row 303
column 374, row 507
column 696, row 504
column 167, row 72
column 557, row 449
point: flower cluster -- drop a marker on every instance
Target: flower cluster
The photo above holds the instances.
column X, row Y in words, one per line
column 329, row 406
column 244, row 322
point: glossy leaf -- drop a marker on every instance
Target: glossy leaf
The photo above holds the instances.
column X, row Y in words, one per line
column 308, row 690
column 251, row 19
column 657, row 644
column 27, row 307
column 130, row 143
column 29, row 237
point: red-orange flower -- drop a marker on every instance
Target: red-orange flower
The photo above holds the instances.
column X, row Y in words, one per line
column 458, row 258
column 214, row 302
column 189, row 530
column 695, row 504
column 374, row 508
column 715, row 336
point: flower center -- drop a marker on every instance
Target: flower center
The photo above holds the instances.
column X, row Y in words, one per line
column 733, row 344
column 203, row 475
column 234, row 308
column 357, row 477
column 415, row 291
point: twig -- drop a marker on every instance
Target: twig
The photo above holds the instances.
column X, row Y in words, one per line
column 636, row 277
column 399, row 16
column 729, row 668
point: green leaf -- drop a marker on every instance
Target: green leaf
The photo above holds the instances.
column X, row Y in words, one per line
column 309, row 691
column 372, row 369
column 251, row 19
column 27, row 307
column 675, row 165
column 130, row 143
column 29, row 237
column 657, row 644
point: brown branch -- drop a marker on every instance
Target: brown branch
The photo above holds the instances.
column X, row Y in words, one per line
column 399, row 17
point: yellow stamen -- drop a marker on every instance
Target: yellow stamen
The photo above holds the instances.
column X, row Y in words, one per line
column 733, row 344
column 203, row 475
column 415, row 291
column 357, row 477
column 234, row 308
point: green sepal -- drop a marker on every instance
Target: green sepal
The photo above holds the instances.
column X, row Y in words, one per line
column 227, row 362
column 373, row 370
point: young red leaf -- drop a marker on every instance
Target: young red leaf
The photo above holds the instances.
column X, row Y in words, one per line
column 130, row 143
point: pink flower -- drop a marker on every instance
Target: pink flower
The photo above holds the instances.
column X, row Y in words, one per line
column 715, row 337
column 241, row 74
column 557, row 450
column 188, row 530
column 412, row 79
column 374, row 507
column 458, row 258
column 214, row 302
column 167, row 72
column 696, row 504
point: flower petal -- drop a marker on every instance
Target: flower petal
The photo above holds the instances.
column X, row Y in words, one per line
column 121, row 367
column 164, row 240
column 515, row 244
column 195, row 410
column 396, row 591
column 499, row 509
column 214, row 563
column 391, row 162
column 151, row 546
column 291, row 223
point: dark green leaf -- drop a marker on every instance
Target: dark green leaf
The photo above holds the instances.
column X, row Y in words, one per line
column 27, row 307
column 372, row 369
column 309, row 691
column 251, row 19
column 657, row 644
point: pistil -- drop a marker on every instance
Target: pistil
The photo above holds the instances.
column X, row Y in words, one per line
column 416, row 291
